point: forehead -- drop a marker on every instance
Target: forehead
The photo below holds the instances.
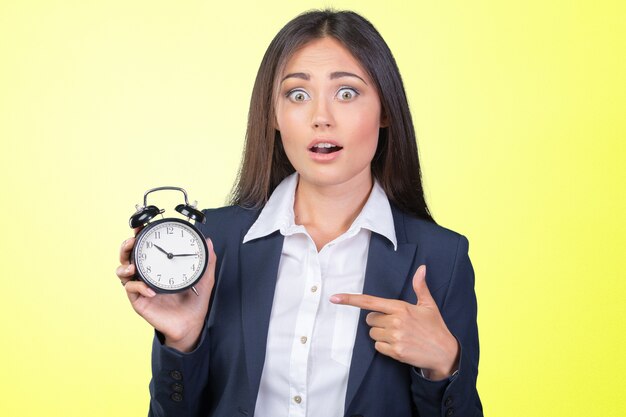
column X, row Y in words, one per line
column 326, row 55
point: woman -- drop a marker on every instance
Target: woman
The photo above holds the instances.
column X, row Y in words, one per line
column 315, row 301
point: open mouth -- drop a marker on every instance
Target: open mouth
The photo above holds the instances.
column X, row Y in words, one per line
column 325, row 147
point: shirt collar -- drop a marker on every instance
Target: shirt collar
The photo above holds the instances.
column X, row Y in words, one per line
column 376, row 215
column 278, row 211
column 278, row 214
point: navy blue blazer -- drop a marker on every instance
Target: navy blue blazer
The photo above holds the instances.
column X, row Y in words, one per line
column 221, row 376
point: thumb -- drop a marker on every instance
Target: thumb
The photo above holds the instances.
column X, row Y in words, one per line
column 420, row 287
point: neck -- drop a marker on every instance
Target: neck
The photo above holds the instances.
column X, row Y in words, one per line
column 327, row 211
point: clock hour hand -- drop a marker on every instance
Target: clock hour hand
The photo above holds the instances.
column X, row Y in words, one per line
column 169, row 255
column 186, row 254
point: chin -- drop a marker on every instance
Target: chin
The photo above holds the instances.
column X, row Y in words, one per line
column 329, row 178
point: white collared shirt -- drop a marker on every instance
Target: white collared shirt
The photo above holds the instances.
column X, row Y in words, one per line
column 310, row 339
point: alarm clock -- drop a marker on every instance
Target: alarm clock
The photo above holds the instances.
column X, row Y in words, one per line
column 170, row 254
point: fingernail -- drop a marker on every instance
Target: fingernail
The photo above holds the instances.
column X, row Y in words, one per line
column 129, row 268
column 150, row 292
column 335, row 299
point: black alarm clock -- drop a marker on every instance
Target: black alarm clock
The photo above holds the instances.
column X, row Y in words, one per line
column 170, row 254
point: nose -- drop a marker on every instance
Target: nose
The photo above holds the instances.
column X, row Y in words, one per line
column 322, row 115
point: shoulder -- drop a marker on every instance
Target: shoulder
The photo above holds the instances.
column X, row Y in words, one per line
column 444, row 251
column 224, row 224
column 429, row 236
column 234, row 215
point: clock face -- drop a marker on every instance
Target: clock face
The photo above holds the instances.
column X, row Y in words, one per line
column 170, row 255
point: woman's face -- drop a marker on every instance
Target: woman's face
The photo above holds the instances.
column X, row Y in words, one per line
column 328, row 113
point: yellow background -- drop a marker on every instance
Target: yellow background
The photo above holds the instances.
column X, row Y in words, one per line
column 520, row 113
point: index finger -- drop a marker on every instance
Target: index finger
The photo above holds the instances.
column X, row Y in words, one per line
column 368, row 302
column 127, row 247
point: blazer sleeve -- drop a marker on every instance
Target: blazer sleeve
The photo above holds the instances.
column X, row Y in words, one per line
column 179, row 380
column 179, row 383
column 456, row 395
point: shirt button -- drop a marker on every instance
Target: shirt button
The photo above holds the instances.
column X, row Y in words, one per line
column 297, row 399
column 314, row 288
column 303, row 339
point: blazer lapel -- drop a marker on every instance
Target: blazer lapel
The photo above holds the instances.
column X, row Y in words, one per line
column 385, row 276
column 259, row 269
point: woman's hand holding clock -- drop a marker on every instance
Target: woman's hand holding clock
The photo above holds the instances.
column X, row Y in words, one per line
column 179, row 316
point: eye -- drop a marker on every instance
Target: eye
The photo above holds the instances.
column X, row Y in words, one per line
column 346, row 94
column 298, row 95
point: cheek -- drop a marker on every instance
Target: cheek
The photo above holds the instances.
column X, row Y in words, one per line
column 287, row 124
column 290, row 122
column 365, row 128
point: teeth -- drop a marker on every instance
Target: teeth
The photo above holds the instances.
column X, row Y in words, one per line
column 323, row 145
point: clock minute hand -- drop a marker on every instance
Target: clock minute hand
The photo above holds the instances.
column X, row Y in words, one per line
column 186, row 254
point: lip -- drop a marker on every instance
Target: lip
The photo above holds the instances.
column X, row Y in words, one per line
column 321, row 140
column 324, row 157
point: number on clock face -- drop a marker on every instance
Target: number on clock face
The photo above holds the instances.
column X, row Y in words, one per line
column 171, row 250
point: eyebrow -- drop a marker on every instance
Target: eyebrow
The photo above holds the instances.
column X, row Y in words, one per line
column 333, row 76
column 300, row 75
column 340, row 74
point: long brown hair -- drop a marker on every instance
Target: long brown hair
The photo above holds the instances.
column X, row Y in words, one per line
column 396, row 163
